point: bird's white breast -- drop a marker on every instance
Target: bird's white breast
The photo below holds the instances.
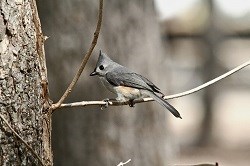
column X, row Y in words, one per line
column 127, row 93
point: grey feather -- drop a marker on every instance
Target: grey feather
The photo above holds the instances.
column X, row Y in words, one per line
column 164, row 103
column 123, row 76
column 127, row 79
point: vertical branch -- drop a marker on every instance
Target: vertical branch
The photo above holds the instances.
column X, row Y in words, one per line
column 41, row 53
column 85, row 59
column 46, row 136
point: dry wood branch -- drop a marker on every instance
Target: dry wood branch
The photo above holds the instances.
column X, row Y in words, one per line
column 216, row 164
column 236, row 69
column 116, row 103
column 85, row 59
column 124, row 163
column 21, row 139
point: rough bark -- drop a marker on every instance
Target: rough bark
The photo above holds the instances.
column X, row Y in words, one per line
column 23, row 86
column 130, row 35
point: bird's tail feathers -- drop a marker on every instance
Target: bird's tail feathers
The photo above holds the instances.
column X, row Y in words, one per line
column 165, row 104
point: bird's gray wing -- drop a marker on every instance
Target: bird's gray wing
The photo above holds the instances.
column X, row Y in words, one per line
column 149, row 83
column 130, row 80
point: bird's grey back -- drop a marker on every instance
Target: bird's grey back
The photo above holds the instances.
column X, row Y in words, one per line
column 121, row 75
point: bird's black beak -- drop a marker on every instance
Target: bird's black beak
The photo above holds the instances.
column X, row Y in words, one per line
column 93, row 73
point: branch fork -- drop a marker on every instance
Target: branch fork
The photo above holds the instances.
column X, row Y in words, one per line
column 118, row 103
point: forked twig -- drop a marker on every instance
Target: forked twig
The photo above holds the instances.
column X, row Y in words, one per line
column 116, row 103
column 84, row 61
column 21, row 139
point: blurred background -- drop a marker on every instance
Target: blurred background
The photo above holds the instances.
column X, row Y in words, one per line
column 176, row 44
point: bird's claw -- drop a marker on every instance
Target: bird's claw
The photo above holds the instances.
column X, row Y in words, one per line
column 131, row 103
column 106, row 103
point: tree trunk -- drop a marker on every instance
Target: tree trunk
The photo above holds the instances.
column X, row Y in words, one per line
column 130, row 35
column 23, row 86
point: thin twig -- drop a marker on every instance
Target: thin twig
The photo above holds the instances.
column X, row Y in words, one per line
column 25, row 143
column 85, row 59
column 124, row 163
column 209, row 82
column 116, row 103
column 216, row 164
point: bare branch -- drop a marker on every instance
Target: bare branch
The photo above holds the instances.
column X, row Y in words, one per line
column 236, row 69
column 85, row 59
column 123, row 163
column 21, row 139
column 116, row 103
column 216, row 164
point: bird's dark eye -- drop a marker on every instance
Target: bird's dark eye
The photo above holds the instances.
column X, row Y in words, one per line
column 101, row 67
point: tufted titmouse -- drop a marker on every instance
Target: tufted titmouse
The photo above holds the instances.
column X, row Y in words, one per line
column 127, row 84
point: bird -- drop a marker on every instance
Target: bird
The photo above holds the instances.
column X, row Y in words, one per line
column 128, row 85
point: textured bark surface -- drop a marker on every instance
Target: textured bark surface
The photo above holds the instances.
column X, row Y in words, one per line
column 23, row 90
column 130, row 35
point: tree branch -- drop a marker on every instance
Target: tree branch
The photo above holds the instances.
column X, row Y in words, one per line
column 84, row 61
column 236, row 69
column 124, row 163
column 216, row 164
column 21, row 139
column 117, row 103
